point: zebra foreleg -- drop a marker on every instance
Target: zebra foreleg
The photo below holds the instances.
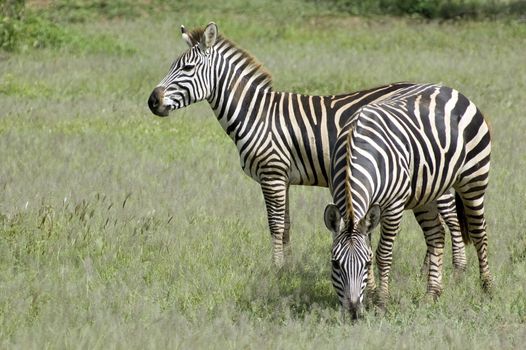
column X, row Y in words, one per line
column 275, row 194
column 384, row 252
column 286, row 232
column 371, row 282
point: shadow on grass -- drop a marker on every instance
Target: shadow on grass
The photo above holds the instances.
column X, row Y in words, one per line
column 302, row 287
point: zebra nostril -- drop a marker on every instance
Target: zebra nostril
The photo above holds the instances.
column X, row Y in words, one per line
column 154, row 100
column 152, row 103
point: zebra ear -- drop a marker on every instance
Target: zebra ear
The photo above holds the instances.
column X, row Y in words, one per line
column 209, row 37
column 186, row 37
column 332, row 219
column 370, row 221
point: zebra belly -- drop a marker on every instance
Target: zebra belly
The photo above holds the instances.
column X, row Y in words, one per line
column 296, row 178
column 422, row 194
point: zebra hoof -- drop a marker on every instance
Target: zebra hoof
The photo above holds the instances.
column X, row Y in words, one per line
column 380, row 310
column 459, row 272
column 278, row 261
column 433, row 293
column 381, row 300
column 287, row 252
column 431, row 297
column 487, row 285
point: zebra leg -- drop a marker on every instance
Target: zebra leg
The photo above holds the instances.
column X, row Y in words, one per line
column 420, row 218
column 384, row 252
column 371, row 283
column 275, row 194
column 473, row 217
column 286, row 232
column 429, row 219
column 447, row 210
column 470, row 191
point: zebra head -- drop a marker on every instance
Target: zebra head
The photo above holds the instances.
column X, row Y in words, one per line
column 189, row 78
column 351, row 256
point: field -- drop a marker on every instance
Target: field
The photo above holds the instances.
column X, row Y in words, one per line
column 119, row 229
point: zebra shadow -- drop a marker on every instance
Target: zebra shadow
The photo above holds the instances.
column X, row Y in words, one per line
column 301, row 287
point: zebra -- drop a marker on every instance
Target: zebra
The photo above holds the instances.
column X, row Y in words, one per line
column 283, row 138
column 404, row 153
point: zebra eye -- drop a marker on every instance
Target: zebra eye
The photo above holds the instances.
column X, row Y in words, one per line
column 335, row 264
column 188, row 67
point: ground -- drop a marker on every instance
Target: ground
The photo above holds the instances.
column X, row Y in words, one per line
column 121, row 229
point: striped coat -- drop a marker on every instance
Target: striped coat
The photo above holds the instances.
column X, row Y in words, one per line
column 404, row 153
column 282, row 138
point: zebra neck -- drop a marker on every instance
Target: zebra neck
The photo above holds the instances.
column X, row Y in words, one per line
column 241, row 101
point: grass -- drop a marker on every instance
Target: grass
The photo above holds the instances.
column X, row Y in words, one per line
column 119, row 229
column 436, row 9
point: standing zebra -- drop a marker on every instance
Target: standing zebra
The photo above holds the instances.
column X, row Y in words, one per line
column 282, row 138
column 401, row 154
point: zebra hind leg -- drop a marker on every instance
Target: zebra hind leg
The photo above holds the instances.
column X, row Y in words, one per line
column 447, row 210
column 429, row 219
column 473, row 217
column 419, row 216
column 424, row 270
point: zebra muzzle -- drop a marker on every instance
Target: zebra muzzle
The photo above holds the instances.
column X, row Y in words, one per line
column 355, row 311
column 355, row 308
column 155, row 102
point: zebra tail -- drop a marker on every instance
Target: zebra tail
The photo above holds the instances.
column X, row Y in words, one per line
column 462, row 221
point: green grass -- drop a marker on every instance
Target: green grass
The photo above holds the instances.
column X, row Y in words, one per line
column 119, row 229
column 436, row 9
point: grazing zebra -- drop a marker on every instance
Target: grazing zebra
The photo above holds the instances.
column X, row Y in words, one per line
column 282, row 138
column 404, row 153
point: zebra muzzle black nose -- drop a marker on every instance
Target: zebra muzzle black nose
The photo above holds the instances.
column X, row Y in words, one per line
column 355, row 309
column 155, row 102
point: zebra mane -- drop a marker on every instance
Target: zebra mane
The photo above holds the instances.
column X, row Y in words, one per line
column 349, row 214
column 197, row 35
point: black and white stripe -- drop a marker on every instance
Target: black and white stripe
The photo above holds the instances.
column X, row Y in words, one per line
column 404, row 153
column 283, row 138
